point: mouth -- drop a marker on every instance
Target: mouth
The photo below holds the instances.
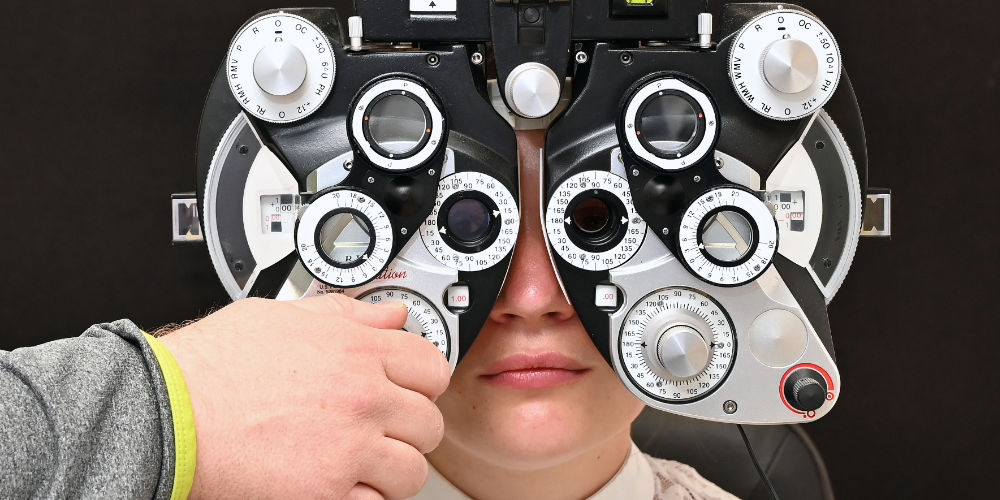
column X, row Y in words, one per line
column 534, row 371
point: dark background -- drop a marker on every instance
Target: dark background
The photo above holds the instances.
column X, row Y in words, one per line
column 101, row 102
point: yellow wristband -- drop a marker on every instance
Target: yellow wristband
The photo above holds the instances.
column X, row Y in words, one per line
column 185, row 442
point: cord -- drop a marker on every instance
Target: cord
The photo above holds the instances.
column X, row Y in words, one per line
column 763, row 477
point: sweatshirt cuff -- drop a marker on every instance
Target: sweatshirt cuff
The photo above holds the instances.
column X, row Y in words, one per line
column 185, row 443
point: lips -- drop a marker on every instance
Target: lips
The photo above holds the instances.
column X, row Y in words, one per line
column 534, row 371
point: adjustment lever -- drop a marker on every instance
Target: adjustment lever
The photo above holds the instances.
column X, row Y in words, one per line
column 184, row 208
column 877, row 222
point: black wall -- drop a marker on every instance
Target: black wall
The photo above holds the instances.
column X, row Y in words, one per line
column 100, row 105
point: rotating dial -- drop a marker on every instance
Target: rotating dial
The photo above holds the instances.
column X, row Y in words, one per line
column 423, row 318
column 281, row 68
column 677, row 345
column 670, row 124
column 474, row 223
column 785, row 65
column 591, row 221
column 728, row 237
column 344, row 238
column 397, row 124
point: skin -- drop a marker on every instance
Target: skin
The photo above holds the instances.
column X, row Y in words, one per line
column 319, row 398
column 557, row 442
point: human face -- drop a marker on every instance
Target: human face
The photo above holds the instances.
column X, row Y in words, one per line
column 533, row 391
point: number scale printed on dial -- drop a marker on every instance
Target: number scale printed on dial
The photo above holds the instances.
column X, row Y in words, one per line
column 677, row 345
column 423, row 319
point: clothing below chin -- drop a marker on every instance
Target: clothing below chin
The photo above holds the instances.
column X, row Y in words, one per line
column 640, row 477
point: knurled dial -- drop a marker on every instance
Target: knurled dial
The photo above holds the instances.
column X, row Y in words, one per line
column 423, row 318
column 676, row 345
column 785, row 64
column 280, row 68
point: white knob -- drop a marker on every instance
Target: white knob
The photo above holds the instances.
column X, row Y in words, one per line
column 355, row 31
column 533, row 90
column 790, row 66
column 682, row 351
column 280, row 69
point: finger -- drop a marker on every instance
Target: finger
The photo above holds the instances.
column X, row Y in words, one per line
column 397, row 470
column 387, row 315
column 415, row 420
column 362, row 491
column 412, row 362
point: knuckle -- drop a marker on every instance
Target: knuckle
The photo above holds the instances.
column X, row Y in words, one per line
column 413, row 471
column 366, row 401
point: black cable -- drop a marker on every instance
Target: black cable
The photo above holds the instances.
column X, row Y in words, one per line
column 763, row 477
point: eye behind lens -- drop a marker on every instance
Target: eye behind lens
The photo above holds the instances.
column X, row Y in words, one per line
column 469, row 222
column 596, row 220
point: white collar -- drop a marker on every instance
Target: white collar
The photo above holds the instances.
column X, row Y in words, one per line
column 633, row 480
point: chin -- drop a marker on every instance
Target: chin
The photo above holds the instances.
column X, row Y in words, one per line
column 537, row 433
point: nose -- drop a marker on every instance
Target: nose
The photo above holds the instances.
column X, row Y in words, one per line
column 531, row 292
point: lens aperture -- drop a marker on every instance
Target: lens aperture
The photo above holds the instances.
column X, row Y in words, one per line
column 668, row 123
column 397, row 124
column 727, row 236
column 345, row 238
column 591, row 215
column 469, row 220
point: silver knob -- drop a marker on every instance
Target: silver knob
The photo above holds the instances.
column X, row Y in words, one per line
column 533, row 90
column 682, row 351
column 280, row 69
column 790, row 66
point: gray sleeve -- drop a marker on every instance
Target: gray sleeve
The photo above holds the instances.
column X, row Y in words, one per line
column 86, row 417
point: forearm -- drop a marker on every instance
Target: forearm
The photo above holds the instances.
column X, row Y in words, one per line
column 85, row 417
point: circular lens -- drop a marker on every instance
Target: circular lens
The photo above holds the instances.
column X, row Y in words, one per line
column 345, row 238
column 727, row 236
column 591, row 215
column 396, row 124
column 668, row 123
column 469, row 220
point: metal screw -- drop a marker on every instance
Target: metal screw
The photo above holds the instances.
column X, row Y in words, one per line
column 665, row 231
column 348, row 164
column 729, row 407
column 531, row 15
column 581, row 57
column 432, row 172
column 244, row 150
column 403, row 231
column 635, row 172
column 433, row 59
column 371, row 180
column 626, row 58
column 827, row 263
column 719, row 163
column 477, row 58
column 620, row 157
column 446, row 156
column 697, row 178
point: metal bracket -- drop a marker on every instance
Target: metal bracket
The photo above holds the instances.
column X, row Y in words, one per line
column 877, row 221
column 184, row 209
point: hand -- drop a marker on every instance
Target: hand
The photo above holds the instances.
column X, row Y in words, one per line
column 321, row 397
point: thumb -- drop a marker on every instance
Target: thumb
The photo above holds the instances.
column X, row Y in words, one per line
column 384, row 316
